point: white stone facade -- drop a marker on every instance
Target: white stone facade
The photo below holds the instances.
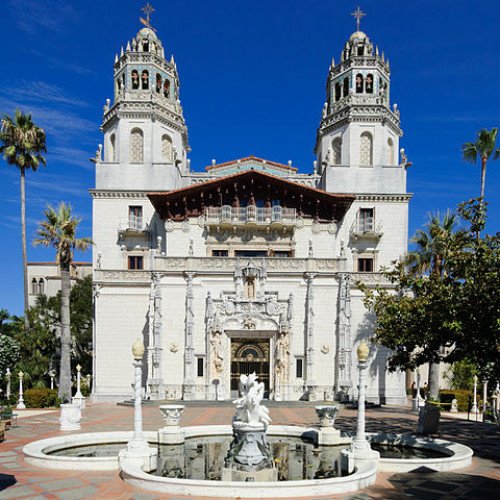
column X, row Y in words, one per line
column 266, row 281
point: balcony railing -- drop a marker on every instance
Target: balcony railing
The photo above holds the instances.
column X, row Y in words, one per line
column 366, row 228
column 134, row 224
column 250, row 214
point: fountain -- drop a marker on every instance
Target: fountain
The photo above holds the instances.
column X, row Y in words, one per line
column 249, row 457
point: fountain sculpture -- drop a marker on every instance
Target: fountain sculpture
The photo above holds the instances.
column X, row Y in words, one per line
column 250, row 457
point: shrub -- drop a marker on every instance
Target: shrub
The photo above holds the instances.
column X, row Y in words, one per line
column 41, row 398
column 464, row 398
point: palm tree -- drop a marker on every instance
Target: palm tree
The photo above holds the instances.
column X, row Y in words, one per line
column 434, row 245
column 483, row 148
column 23, row 145
column 59, row 231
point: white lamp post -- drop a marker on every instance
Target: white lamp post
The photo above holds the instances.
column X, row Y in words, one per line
column 360, row 447
column 52, row 375
column 20, row 402
column 78, row 398
column 138, row 450
column 474, row 404
column 8, row 376
column 485, row 395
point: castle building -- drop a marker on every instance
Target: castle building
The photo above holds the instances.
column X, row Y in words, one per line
column 249, row 265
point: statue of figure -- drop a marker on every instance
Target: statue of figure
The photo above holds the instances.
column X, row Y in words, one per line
column 282, row 353
column 216, row 343
column 248, row 408
column 98, row 153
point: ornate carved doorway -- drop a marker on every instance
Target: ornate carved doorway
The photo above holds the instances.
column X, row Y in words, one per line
column 248, row 356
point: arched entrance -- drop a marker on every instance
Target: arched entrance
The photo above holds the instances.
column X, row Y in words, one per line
column 249, row 356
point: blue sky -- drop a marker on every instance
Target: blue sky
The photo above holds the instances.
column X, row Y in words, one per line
column 252, row 82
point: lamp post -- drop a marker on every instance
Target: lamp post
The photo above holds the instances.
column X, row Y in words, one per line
column 485, row 395
column 360, row 447
column 78, row 380
column 138, row 450
column 52, row 375
column 8, row 376
column 474, row 404
column 20, row 402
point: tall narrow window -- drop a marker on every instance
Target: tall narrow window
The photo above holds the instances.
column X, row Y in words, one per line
column 346, row 87
column 337, row 151
column 299, row 367
column 366, row 150
column 359, row 83
column 166, row 88
column 369, row 84
column 200, row 365
column 338, row 91
column 135, row 217
column 365, row 219
column 135, row 79
column 34, row 286
column 158, row 83
column 136, row 146
column 166, row 149
column 390, row 152
column 361, row 50
column 112, row 150
column 145, row 80
column 145, row 46
column 41, row 285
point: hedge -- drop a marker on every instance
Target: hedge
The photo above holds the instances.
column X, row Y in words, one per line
column 41, row 398
column 464, row 398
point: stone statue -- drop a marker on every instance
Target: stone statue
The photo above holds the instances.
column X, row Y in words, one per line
column 216, row 343
column 249, row 412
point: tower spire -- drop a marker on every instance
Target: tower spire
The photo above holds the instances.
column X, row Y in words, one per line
column 148, row 10
column 358, row 14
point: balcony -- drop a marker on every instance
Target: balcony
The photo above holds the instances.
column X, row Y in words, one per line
column 366, row 228
column 251, row 215
column 133, row 225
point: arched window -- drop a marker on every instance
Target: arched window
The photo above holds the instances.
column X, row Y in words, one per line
column 346, row 87
column 136, row 146
column 337, row 151
column 34, row 286
column 135, row 79
column 390, row 152
column 166, row 149
column 338, row 91
column 145, row 46
column 41, row 286
column 369, row 84
column 145, row 80
column 366, row 149
column 361, row 50
column 359, row 83
column 112, row 148
column 166, row 88
column 158, row 83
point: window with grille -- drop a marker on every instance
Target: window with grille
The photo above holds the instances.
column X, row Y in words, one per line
column 136, row 146
column 366, row 150
column 135, row 262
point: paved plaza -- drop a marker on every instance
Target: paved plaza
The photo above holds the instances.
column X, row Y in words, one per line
column 19, row 480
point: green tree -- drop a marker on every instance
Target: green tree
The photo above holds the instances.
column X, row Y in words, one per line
column 435, row 244
column 9, row 348
column 59, row 231
column 482, row 149
column 22, row 145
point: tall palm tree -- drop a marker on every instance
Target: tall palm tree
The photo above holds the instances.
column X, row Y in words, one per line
column 483, row 148
column 434, row 245
column 22, row 145
column 59, row 231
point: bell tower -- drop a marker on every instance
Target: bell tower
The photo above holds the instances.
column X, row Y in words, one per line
column 358, row 137
column 145, row 134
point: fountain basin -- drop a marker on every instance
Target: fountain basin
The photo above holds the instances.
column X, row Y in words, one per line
column 457, row 456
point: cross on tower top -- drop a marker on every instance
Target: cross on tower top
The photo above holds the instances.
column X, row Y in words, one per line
column 358, row 14
column 148, row 10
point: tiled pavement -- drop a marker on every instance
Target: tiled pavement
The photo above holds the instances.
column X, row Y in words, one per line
column 19, row 480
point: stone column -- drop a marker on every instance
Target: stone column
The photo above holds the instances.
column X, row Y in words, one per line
column 155, row 386
column 344, row 345
column 8, row 376
column 138, row 450
column 417, row 400
column 20, row 402
column 309, row 340
column 188, row 384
